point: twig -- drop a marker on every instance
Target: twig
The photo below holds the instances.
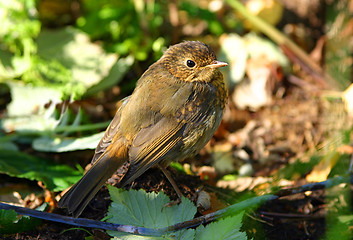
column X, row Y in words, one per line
column 228, row 211
column 83, row 222
column 291, row 215
column 317, row 74
column 316, row 186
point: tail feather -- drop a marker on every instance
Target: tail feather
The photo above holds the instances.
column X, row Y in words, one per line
column 80, row 194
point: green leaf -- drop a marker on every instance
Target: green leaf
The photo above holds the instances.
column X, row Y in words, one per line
column 138, row 208
column 33, row 117
column 19, row 25
column 58, row 144
column 88, row 62
column 297, row 168
column 33, row 98
column 35, row 120
column 10, row 223
column 224, row 229
column 259, row 47
column 196, row 12
column 345, row 218
column 148, row 210
column 6, row 71
column 116, row 74
column 7, row 145
column 55, row 177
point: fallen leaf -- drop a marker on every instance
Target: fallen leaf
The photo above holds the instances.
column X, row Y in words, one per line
column 243, row 183
column 255, row 91
column 321, row 171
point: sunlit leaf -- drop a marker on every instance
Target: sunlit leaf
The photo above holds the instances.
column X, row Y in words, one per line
column 26, row 111
column 116, row 74
column 28, row 100
column 258, row 46
column 323, row 168
column 234, row 52
column 87, row 61
column 61, row 144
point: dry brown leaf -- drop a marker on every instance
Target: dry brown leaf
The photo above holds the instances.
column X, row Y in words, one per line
column 216, row 204
column 255, row 91
column 345, row 149
column 243, row 183
column 321, row 171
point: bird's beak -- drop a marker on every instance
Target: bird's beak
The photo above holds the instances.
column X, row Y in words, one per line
column 217, row 64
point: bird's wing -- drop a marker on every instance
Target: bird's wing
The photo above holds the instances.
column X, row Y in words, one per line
column 165, row 136
column 109, row 133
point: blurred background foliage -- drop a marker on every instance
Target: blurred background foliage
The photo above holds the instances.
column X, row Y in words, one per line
column 39, row 39
column 65, row 63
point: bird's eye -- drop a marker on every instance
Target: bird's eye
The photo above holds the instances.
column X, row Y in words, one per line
column 190, row 63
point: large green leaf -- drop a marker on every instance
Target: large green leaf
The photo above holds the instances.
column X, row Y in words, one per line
column 56, row 177
column 139, row 208
column 29, row 100
column 87, row 61
column 42, row 123
column 11, row 223
column 116, row 74
column 224, row 229
column 26, row 112
column 49, row 144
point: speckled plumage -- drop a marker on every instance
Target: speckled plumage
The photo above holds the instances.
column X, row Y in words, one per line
column 172, row 113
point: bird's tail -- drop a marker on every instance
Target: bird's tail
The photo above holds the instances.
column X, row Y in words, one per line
column 80, row 194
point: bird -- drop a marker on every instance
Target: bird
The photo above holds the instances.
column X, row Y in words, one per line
column 174, row 110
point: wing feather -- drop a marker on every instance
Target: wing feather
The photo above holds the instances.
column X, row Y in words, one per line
column 109, row 133
column 166, row 137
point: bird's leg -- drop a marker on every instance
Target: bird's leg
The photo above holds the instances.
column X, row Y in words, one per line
column 174, row 185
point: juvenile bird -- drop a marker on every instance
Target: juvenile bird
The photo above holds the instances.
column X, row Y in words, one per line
column 175, row 109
